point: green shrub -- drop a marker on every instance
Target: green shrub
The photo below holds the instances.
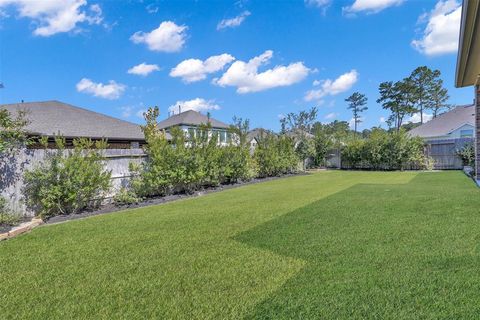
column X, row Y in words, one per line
column 6, row 216
column 384, row 150
column 126, row 196
column 275, row 155
column 236, row 164
column 323, row 143
column 467, row 154
column 68, row 181
column 353, row 153
column 189, row 161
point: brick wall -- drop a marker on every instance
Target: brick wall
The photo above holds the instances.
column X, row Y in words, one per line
column 477, row 131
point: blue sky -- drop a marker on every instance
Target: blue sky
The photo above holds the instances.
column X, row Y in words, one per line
column 267, row 58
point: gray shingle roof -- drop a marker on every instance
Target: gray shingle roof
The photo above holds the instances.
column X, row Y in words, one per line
column 49, row 118
column 446, row 122
column 257, row 133
column 192, row 118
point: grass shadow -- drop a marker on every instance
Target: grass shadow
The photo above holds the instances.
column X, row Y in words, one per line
column 378, row 251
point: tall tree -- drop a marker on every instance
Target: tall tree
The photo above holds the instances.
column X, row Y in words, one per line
column 301, row 121
column 439, row 97
column 12, row 130
column 301, row 126
column 356, row 103
column 399, row 98
column 423, row 80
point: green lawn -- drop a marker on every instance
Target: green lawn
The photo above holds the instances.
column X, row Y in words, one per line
column 341, row 245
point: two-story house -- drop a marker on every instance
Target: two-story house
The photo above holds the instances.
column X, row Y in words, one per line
column 191, row 121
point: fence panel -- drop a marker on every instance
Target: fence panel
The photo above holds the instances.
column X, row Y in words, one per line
column 444, row 152
column 12, row 168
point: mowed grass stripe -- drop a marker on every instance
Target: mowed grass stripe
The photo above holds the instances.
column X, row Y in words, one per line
column 238, row 253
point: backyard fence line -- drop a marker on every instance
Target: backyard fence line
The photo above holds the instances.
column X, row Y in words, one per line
column 443, row 152
column 13, row 167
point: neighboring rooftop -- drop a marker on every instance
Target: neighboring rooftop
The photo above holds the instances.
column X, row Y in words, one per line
column 48, row 118
column 257, row 133
column 446, row 122
column 298, row 133
column 190, row 118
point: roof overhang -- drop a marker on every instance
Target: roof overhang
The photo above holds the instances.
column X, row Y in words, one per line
column 468, row 58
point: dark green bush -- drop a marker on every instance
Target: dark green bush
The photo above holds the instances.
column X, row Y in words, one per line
column 126, row 196
column 189, row 161
column 384, row 150
column 467, row 154
column 6, row 216
column 68, row 181
column 275, row 155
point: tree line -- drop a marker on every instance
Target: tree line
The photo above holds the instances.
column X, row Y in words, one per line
column 421, row 91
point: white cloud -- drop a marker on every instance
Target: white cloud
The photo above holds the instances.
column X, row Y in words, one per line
column 245, row 76
column 56, row 16
column 371, row 6
column 318, row 3
column 441, row 33
column 415, row 118
column 143, row 69
column 126, row 111
column 151, row 8
column 192, row 70
column 168, row 37
column 351, row 122
column 197, row 104
column 112, row 90
column 331, row 115
column 316, row 82
column 140, row 113
column 234, row 22
column 333, row 87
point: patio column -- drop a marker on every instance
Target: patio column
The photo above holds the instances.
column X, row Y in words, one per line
column 477, row 132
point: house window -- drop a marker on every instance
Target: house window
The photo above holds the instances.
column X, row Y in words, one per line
column 134, row 145
column 466, row 133
column 223, row 136
column 191, row 133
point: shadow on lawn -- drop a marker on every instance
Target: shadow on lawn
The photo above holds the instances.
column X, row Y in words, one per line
column 372, row 251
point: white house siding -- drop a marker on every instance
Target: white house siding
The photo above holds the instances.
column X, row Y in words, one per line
column 455, row 134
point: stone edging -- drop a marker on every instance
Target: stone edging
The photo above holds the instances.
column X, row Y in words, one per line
column 22, row 228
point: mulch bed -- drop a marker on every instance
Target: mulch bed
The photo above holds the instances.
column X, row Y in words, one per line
column 108, row 208
column 7, row 227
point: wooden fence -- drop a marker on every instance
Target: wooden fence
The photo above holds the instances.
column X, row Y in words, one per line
column 443, row 152
column 13, row 166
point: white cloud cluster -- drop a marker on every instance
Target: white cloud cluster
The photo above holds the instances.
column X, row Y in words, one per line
column 441, row 33
column 331, row 116
column 126, row 111
column 143, row 69
column 192, row 70
column 415, row 118
column 318, row 3
column 168, row 37
column 56, row 16
column 245, row 75
column 112, row 90
column 371, row 6
column 333, row 87
column 197, row 104
column 233, row 22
